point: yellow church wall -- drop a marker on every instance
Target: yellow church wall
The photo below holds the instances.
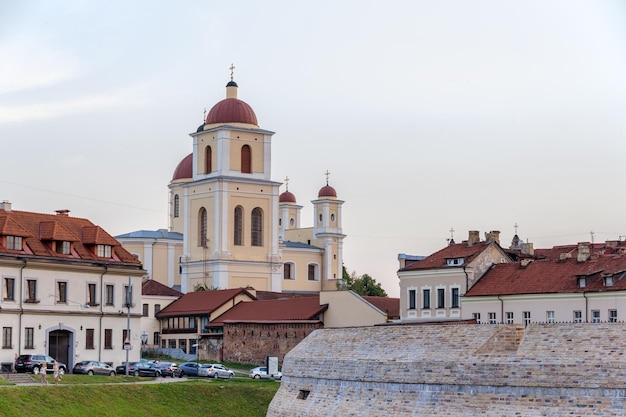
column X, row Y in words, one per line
column 203, row 142
column 257, row 146
column 249, row 197
column 206, row 201
column 304, row 235
column 301, row 260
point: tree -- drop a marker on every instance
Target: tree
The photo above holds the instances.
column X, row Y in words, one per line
column 362, row 285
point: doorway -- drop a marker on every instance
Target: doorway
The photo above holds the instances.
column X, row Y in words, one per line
column 59, row 343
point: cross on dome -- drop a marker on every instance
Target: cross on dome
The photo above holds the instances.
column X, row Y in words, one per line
column 232, row 71
column 327, row 173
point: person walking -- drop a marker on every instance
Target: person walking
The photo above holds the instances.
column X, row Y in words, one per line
column 55, row 372
column 42, row 372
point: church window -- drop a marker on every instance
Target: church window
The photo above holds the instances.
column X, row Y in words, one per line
column 292, row 222
column 246, row 159
column 257, row 227
column 176, row 205
column 238, row 237
column 202, row 228
column 312, row 272
column 288, row 271
column 208, row 160
column 332, row 217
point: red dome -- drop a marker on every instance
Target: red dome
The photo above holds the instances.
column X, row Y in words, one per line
column 287, row 197
column 231, row 110
column 327, row 191
column 184, row 169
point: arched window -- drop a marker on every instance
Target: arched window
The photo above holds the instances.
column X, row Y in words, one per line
column 238, row 238
column 208, row 160
column 257, row 227
column 202, row 228
column 246, row 159
column 176, row 205
column 288, row 270
column 312, row 272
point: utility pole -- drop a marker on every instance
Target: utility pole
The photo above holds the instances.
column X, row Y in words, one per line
column 127, row 340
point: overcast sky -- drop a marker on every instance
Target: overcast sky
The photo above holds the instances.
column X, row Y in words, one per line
column 430, row 115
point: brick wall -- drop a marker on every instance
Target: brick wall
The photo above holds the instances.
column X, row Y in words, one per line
column 252, row 342
column 457, row 370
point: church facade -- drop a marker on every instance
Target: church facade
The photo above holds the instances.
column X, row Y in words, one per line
column 238, row 229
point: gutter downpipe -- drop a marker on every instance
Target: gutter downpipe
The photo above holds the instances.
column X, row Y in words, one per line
column 466, row 278
column 19, row 326
column 586, row 307
column 106, row 269
column 501, row 309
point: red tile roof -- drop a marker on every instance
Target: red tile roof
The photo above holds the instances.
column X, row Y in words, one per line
column 388, row 305
column 304, row 308
column 458, row 250
column 547, row 276
column 152, row 287
column 201, row 302
column 39, row 232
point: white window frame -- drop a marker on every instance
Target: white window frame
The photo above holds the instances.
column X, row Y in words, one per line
column 510, row 317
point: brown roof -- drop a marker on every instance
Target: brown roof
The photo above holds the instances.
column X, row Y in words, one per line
column 271, row 295
column 549, row 276
column 152, row 287
column 388, row 305
column 40, row 231
column 201, row 302
column 304, row 308
column 458, row 250
column 231, row 110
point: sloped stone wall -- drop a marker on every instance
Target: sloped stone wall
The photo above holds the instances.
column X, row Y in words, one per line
column 457, row 370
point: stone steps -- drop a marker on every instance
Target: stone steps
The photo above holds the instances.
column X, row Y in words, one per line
column 18, row 378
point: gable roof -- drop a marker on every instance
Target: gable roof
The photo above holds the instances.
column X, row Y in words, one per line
column 293, row 309
column 201, row 302
column 38, row 230
column 457, row 250
column 388, row 305
column 549, row 276
column 151, row 234
column 155, row 288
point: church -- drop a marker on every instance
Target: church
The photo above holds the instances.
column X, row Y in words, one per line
column 229, row 225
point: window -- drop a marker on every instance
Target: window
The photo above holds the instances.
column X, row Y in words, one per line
column 208, row 160
column 128, row 296
column 476, row 316
column 411, row 299
column 145, row 310
column 238, row 238
column 312, row 272
column 156, row 338
column 31, row 287
column 89, row 339
column 550, row 316
column 509, row 317
column 14, row 242
column 157, row 308
column 61, row 292
column 91, row 294
column 454, row 261
column 608, row 281
column 426, row 299
column 595, row 316
column 202, row 228
column 172, row 343
column 182, row 345
column 7, row 338
column 582, row 282
column 9, row 288
column 612, row 316
column 257, row 227
column 29, row 338
column 578, row 316
column 109, row 294
column 455, row 298
column 492, row 318
column 104, row 251
column 176, row 205
column 108, row 338
column 288, row 271
column 441, row 298
column 125, row 337
column 246, row 159
column 526, row 315
column 63, row 247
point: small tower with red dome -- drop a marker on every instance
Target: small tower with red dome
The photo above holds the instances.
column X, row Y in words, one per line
column 288, row 211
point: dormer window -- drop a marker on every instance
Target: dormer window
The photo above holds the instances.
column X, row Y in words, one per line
column 608, row 281
column 14, row 242
column 582, row 282
column 104, row 251
column 454, row 261
column 63, row 247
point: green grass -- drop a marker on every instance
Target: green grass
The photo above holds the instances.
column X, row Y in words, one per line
column 80, row 395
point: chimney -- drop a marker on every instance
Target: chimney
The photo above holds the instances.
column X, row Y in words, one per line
column 474, row 238
column 64, row 212
column 493, row 236
column 528, row 249
column 5, row 205
column 583, row 251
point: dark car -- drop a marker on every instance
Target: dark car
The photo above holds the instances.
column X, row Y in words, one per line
column 93, row 368
column 169, row 369
column 193, row 369
column 132, row 369
column 33, row 363
column 139, row 369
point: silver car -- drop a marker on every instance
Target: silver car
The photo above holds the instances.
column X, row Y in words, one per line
column 261, row 373
column 216, row 370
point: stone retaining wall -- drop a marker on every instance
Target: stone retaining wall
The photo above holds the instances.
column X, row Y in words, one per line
column 457, row 370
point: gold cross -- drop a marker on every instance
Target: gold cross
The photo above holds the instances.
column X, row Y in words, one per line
column 232, row 69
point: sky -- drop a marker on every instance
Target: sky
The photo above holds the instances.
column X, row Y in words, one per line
column 429, row 115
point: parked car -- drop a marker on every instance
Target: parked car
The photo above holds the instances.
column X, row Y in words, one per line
column 216, row 370
column 142, row 368
column 193, row 369
column 93, row 368
column 169, row 369
column 261, row 373
column 132, row 369
column 33, row 363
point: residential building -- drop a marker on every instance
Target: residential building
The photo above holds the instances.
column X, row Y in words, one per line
column 431, row 288
column 69, row 289
column 154, row 297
